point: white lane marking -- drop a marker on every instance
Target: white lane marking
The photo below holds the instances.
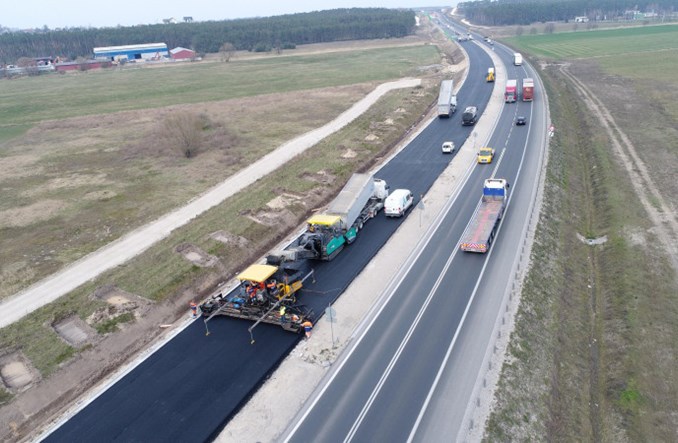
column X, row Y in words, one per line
column 373, row 314
column 400, row 349
column 461, row 323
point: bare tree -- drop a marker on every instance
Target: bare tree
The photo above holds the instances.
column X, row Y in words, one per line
column 184, row 130
column 519, row 31
column 226, row 51
column 29, row 65
column 549, row 28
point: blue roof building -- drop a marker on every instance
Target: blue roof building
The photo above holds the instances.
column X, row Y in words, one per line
column 148, row 51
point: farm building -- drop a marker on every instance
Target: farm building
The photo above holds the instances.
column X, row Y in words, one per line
column 149, row 51
column 180, row 53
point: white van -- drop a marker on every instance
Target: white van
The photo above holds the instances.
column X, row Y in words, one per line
column 398, row 203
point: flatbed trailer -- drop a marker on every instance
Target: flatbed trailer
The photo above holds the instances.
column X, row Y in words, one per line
column 482, row 228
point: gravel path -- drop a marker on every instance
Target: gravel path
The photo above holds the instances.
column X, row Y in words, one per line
column 137, row 241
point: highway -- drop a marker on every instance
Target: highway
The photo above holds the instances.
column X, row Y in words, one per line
column 190, row 388
column 411, row 373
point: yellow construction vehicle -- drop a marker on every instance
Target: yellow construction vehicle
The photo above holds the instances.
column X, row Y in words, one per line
column 266, row 295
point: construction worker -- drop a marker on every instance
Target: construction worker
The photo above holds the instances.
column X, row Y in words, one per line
column 308, row 326
column 194, row 309
column 250, row 290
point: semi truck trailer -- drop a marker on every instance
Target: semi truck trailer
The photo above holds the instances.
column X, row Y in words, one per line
column 447, row 100
column 482, row 228
column 327, row 233
column 528, row 89
column 511, row 93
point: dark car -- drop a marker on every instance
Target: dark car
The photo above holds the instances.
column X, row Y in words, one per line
column 469, row 116
column 520, row 120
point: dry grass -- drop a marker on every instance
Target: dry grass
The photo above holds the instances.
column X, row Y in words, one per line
column 593, row 354
column 79, row 183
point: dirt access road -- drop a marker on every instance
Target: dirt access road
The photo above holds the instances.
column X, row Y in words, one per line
column 137, row 241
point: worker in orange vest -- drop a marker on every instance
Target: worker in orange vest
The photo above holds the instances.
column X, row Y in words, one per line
column 194, row 309
column 308, row 326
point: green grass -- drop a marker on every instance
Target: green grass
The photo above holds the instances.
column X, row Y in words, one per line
column 5, row 397
column 604, row 43
column 32, row 99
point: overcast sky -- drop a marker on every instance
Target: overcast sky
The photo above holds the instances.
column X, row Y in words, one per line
column 24, row 14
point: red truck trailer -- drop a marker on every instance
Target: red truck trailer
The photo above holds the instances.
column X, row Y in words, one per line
column 528, row 89
column 511, row 94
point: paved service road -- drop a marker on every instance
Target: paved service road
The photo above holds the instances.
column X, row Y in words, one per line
column 190, row 388
column 411, row 374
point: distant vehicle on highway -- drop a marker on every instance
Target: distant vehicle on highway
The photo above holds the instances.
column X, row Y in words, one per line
column 521, row 120
column 398, row 203
column 448, row 148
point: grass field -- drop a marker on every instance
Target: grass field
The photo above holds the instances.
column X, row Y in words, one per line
column 593, row 354
column 90, row 160
column 166, row 273
column 34, row 99
column 603, row 43
column 312, row 178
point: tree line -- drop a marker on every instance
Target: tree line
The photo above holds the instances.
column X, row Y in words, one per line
column 253, row 34
column 516, row 12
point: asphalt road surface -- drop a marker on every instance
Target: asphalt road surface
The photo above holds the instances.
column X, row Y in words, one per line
column 410, row 376
column 189, row 389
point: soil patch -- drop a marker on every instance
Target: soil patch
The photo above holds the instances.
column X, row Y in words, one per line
column 284, row 200
column 28, row 215
column 19, row 166
column 17, row 373
column 230, row 239
column 323, row 177
column 74, row 331
column 119, row 302
column 273, row 218
column 349, row 153
column 196, row 255
column 100, row 195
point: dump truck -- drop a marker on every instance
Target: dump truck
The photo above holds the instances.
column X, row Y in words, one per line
column 266, row 294
column 528, row 89
column 490, row 75
column 511, row 94
column 447, row 100
column 482, row 228
column 326, row 234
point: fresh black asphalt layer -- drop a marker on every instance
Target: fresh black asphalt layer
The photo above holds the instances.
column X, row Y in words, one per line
column 189, row 389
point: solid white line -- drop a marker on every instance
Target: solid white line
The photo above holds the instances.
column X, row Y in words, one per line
column 400, row 349
column 422, row 411
column 374, row 313
column 461, row 323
